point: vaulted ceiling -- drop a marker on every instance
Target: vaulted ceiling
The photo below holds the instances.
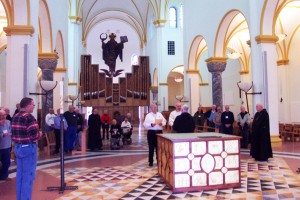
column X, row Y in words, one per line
column 135, row 13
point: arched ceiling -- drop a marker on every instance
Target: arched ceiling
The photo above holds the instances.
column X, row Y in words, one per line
column 133, row 12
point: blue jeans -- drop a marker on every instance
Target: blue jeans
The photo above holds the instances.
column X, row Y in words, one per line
column 5, row 160
column 70, row 137
column 26, row 155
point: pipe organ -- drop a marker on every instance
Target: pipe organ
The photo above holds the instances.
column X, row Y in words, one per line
column 98, row 90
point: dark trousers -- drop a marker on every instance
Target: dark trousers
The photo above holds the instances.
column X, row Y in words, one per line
column 228, row 130
column 5, row 160
column 57, row 140
column 105, row 128
column 245, row 135
column 152, row 143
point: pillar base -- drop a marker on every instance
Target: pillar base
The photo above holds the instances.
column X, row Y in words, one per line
column 276, row 141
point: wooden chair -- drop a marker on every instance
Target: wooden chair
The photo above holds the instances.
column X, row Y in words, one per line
column 281, row 129
column 287, row 132
column 296, row 133
column 50, row 137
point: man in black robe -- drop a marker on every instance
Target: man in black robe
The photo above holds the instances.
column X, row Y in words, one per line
column 184, row 123
column 261, row 148
column 94, row 135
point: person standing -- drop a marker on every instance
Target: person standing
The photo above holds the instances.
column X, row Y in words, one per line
column 80, row 124
column 105, row 120
column 154, row 122
column 184, row 123
column 217, row 120
column 209, row 115
column 18, row 108
column 199, row 118
column 227, row 119
column 57, row 120
column 5, row 145
column 25, row 134
column 7, row 111
column 243, row 120
column 94, row 136
column 49, row 119
column 261, row 149
column 174, row 114
column 70, row 135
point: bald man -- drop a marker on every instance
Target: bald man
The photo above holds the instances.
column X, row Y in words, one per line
column 261, row 149
column 227, row 119
column 174, row 114
column 154, row 122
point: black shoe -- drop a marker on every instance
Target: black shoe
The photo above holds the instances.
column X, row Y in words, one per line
column 100, row 148
column 150, row 164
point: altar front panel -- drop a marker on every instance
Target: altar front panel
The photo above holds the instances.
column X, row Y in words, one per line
column 199, row 161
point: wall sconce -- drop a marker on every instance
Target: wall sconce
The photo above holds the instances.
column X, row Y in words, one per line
column 246, row 87
column 46, row 86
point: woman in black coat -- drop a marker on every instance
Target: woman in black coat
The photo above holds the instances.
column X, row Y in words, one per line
column 94, row 135
column 261, row 148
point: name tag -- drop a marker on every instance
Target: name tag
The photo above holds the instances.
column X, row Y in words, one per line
column 4, row 131
column 226, row 117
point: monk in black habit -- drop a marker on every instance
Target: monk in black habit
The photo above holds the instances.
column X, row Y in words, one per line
column 94, row 135
column 261, row 148
column 184, row 123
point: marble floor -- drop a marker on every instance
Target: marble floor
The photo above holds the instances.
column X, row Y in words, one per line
column 125, row 174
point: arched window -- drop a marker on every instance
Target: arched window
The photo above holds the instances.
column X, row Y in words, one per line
column 173, row 17
column 134, row 59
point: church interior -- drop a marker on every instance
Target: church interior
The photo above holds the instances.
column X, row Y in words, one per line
column 199, row 53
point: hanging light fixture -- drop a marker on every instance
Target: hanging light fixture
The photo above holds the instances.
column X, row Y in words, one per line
column 178, row 79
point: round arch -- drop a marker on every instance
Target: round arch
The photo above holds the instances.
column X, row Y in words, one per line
column 45, row 28
column 59, row 48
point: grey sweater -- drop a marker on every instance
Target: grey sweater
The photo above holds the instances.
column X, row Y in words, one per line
column 5, row 141
column 246, row 119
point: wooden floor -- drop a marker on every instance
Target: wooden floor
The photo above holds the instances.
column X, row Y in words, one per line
column 123, row 174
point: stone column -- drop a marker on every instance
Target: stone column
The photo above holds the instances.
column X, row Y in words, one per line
column 216, row 68
column 47, row 62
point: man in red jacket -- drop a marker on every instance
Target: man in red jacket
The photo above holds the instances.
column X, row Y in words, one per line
column 105, row 120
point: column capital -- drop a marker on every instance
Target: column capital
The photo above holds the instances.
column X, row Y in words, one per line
column 283, row 62
column 48, row 55
column 266, row 39
column 47, row 62
column 154, row 88
column 216, row 59
column 160, row 22
column 216, row 67
column 192, row 71
column 18, row 30
column 163, row 84
column 75, row 19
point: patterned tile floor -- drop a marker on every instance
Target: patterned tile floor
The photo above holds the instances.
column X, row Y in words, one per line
column 260, row 180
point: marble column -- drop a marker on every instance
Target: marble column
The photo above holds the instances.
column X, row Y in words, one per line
column 47, row 63
column 216, row 68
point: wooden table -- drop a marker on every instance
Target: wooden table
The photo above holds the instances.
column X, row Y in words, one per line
column 199, row 161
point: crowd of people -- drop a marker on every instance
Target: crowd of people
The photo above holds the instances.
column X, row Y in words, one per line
column 181, row 121
column 23, row 130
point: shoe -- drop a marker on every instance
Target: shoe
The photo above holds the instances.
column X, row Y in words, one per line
column 100, row 148
column 150, row 164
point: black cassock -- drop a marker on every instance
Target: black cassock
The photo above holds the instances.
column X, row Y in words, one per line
column 261, row 148
column 94, row 135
